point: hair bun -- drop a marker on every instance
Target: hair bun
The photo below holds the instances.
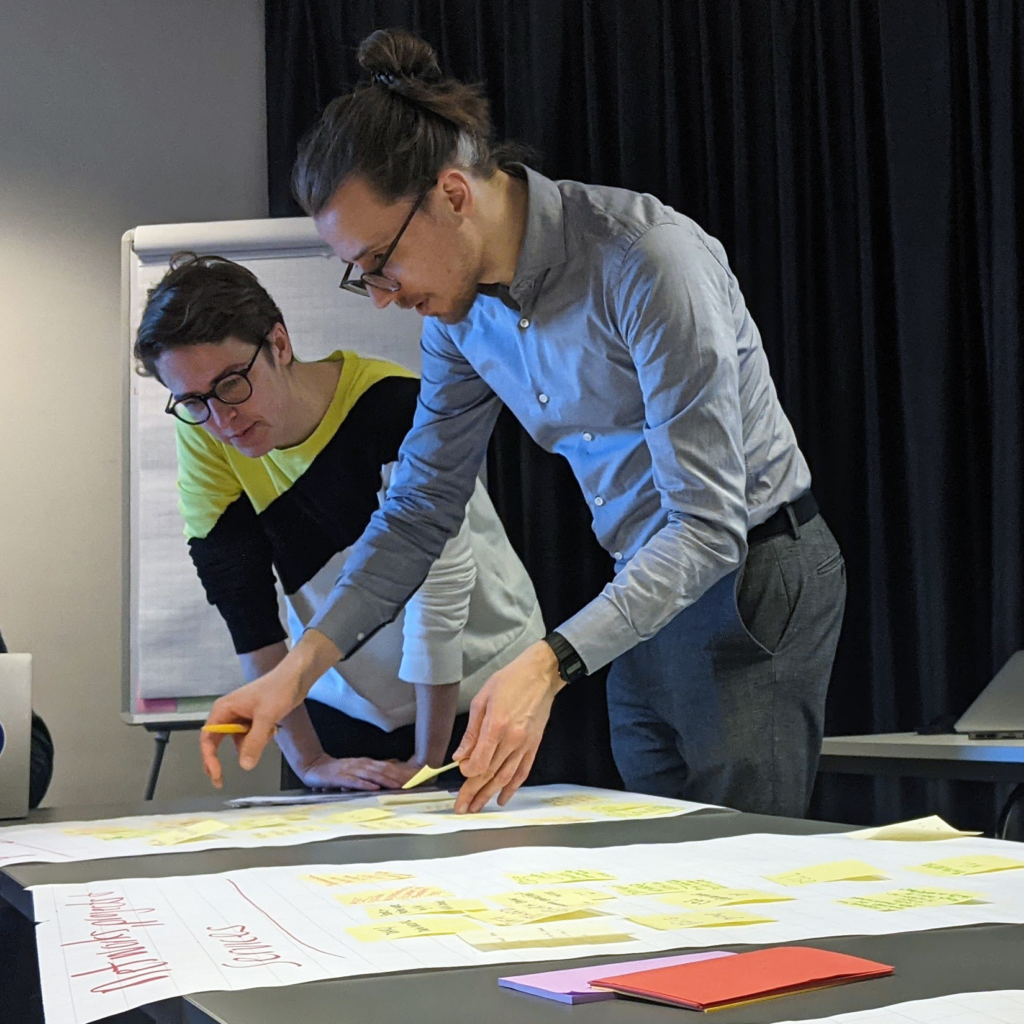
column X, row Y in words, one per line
column 389, row 55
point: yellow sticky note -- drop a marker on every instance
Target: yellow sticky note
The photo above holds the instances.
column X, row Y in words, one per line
column 359, row 816
column 553, row 897
column 560, row 819
column 702, row 919
column 110, row 833
column 416, row 908
column 413, row 928
column 443, row 803
column 655, row 888
column 426, row 773
column 296, row 828
column 510, row 917
column 406, row 824
column 407, row 892
column 267, row 821
column 978, row 865
column 401, row 799
column 616, row 810
column 920, row 830
column 545, row 936
column 559, row 877
column 724, row 898
column 913, row 899
column 833, row 871
column 186, row 833
column 572, row 800
column 356, row 878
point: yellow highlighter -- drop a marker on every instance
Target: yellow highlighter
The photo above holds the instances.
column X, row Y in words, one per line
column 426, row 773
column 229, row 729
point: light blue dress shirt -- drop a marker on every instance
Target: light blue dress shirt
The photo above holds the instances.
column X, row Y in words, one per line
column 624, row 344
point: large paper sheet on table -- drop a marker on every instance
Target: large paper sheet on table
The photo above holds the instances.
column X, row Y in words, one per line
column 111, row 946
column 422, row 814
column 1001, row 1007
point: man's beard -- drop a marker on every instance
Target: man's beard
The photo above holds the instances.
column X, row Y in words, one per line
column 461, row 305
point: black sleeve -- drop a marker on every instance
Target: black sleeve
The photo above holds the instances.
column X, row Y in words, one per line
column 234, row 563
column 384, row 412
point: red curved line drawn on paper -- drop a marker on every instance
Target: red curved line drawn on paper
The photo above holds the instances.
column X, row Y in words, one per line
column 277, row 924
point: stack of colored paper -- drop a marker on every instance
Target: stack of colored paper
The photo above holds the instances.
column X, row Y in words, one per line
column 712, row 984
column 573, row 986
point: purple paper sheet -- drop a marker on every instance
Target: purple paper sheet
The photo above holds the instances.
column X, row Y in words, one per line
column 573, row 986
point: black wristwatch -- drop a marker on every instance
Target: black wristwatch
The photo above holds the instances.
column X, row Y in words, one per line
column 570, row 664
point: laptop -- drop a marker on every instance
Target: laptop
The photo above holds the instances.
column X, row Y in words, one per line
column 15, row 733
column 998, row 711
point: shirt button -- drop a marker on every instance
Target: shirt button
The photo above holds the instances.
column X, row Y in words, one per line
column 543, row 399
column 360, row 636
column 524, row 323
column 587, row 435
column 617, row 555
column 599, row 501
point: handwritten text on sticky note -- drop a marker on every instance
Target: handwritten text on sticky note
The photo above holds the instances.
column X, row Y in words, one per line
column 912, row 899
column 558, row 877
column 979, row 865
column 833, row 871
column 702, row 919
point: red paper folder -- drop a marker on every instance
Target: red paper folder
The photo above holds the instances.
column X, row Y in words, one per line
column 708, row 984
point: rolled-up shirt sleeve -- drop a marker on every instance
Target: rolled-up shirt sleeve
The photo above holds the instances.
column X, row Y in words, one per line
column 673, row 303
column 436, row 616
column 426, row 502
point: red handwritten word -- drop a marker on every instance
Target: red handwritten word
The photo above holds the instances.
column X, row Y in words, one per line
column 126, row 957
column 245, row 948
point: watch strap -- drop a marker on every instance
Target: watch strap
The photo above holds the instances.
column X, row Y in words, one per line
column 570, row 664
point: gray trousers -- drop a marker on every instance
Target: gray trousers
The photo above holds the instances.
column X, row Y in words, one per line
column 726, row 704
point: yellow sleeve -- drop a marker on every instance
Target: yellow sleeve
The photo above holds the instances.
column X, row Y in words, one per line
column 206, row 483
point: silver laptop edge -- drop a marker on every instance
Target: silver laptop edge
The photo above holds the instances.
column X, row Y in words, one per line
column 15, row 733
column 998, row 711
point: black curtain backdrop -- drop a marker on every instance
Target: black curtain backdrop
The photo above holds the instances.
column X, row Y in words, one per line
column 859, row 160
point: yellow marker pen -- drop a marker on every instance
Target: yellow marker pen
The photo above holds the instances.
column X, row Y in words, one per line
column 229, row 728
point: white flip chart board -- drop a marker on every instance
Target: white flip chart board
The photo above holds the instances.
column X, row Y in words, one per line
column 179, row 653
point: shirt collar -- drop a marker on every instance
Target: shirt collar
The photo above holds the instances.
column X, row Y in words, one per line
column 544, row 239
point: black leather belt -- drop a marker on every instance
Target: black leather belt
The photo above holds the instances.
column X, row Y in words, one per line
column 787, row 519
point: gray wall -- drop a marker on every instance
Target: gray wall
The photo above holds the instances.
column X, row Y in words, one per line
column 113, row 113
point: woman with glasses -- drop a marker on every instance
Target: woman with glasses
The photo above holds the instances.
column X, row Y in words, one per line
column 281, row 463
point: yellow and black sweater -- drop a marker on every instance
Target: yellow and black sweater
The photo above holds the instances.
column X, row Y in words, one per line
column 294, row 509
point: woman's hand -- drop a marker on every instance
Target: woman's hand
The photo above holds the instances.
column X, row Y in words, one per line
column 364, row 773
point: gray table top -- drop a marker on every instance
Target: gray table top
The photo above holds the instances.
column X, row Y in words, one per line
column 944, row 746
column 927, row 963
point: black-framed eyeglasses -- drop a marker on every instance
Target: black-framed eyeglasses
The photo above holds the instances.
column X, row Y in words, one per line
column 232, row 388
column 376, row 277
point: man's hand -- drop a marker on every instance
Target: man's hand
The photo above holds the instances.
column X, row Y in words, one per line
column 506, row 722
column 356, row 773
column 265, row 702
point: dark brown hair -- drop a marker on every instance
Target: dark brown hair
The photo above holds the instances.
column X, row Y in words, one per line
column 398, row 129
column 202, row 299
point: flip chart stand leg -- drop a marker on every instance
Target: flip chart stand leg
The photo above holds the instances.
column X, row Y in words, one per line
column 162, row 737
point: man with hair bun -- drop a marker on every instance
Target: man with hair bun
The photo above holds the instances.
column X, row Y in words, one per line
column 614, row 329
